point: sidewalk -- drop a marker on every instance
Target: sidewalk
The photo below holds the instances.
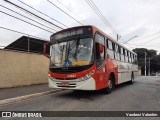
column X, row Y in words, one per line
column 24, row 90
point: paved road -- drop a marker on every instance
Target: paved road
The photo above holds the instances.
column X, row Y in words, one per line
column 143, row 95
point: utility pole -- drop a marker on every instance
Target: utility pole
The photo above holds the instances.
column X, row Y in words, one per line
column 149, row 72
column 145, row 64
column 118, row 37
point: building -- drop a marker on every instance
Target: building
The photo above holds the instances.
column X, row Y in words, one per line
column 28, row 44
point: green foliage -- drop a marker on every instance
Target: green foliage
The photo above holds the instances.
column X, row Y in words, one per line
column 152, row 54
column 155, row 63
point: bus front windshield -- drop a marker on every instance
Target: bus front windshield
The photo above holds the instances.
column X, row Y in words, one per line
column 76, row 52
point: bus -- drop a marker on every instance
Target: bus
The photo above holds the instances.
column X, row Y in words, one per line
column 85, row 58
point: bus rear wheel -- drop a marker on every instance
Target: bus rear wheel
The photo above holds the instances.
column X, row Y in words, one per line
column 110, row 87
column 132, row 79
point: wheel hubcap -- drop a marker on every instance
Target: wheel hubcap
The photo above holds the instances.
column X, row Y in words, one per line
column 132, row 79
column 110, row 84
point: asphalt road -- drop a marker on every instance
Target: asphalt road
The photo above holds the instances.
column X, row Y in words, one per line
column 143, row 95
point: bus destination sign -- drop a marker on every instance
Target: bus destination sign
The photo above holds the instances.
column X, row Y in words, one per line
column 70, row 33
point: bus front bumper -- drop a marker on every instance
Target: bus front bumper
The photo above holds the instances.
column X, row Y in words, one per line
column 74, row 84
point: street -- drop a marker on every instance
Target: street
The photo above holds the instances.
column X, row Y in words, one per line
column 143, row 95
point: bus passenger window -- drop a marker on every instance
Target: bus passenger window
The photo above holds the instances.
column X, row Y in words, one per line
column 126, row 55
column 117, row 57
column 110, row 50
column 110, row 45
column 122, row 54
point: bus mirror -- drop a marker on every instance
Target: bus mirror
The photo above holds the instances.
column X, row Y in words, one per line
column 100, row 48
column 45, row 49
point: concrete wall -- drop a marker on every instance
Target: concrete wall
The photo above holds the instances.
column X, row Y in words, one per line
column 21, row 68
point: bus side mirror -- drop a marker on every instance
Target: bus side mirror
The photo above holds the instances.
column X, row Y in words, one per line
column 100, row 48
column 45, row 49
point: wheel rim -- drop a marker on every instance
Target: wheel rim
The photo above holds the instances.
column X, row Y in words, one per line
column 110, row 84
column 132, row 78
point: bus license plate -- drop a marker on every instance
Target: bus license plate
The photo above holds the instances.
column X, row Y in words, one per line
column 64, row 83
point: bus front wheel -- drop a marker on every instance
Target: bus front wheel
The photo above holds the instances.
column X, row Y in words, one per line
column 109, row 89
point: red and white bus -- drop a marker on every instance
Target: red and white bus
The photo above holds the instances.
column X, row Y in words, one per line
column 85, row 58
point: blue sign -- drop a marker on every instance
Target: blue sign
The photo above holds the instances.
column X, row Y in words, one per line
column 68, row 63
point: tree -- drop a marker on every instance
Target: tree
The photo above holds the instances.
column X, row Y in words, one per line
column 155, row 63
column 155, row 59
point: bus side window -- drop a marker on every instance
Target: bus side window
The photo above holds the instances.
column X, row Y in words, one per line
column 100, row 50
column 126, row 55
column 136, row 59
column 117, row 57
column 122, row 54
column 129, row 57
column 110, row 49
column 118, row 52
column 133, row 59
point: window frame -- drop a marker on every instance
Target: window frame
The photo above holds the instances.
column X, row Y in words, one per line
column 112, row 43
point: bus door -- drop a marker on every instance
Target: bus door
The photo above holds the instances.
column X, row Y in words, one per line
column 100, row 57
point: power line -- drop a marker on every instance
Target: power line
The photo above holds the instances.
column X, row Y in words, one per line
column 27, row 17
column 69, row 9
column 42, row 13
column 27, row 11
column 147, row 44
column 25, row 21
column 130, row 45
column 149, row 41
column 22, row 33
column 129, row 39
column 98, row 14
column 64, row 12
column 101, row 16
column 148, row 36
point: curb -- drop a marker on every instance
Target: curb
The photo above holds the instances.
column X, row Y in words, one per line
column 25, row 97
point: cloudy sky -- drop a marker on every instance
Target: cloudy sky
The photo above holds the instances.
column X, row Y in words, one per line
column 129, row 17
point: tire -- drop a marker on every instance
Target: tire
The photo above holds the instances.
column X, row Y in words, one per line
column 110, row 87
column 132, row 79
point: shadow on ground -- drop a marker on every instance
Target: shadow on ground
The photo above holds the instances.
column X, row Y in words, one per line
column 90, row 95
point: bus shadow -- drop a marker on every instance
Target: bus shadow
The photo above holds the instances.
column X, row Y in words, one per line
column 87, row 96
column 123, row 85
column 84, row 96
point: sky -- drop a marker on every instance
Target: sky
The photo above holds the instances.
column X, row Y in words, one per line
column 129, row 18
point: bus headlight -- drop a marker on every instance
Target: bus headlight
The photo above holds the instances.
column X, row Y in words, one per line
column 87, row 76
column 49, row 75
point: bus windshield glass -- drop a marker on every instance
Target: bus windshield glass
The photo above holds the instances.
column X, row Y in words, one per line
column 76, row 52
